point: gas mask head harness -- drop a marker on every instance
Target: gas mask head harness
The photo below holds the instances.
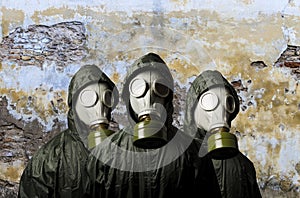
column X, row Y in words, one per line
column 148, row 94
column 93, row 107
column 214, row 112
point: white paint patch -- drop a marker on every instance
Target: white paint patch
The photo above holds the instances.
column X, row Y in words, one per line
column 29, row 78
column 122, row 67
column 289, row 34
column 274, row 142
column 261, row 153
column 228, row 9
column 289, row 155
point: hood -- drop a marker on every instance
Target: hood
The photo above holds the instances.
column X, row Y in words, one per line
column 147, row 62
column 85, row 76
column 202, row 83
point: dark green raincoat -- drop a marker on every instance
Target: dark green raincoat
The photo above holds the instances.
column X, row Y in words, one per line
column 119, row 169
column 57, row 169
column 236, row 176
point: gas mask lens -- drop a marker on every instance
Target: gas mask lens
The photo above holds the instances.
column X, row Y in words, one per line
column 160, row 89
column 138, row 87
column 107, row 98
column 209, row 101
column 230, row 104
column 88, row 98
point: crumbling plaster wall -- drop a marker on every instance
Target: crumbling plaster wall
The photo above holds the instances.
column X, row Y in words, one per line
column 255, row 44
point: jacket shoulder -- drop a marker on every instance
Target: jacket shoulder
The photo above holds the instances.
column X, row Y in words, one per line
column 47, row 155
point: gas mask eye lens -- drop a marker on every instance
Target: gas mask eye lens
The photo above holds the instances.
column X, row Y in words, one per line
column 108, row 98
column 209, row 101
column 160, row 89
column 137, row 87
column 88, row 98
column 230, row 104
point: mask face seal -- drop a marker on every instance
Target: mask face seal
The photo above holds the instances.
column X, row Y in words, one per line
column 212, row 113
column 148, row 92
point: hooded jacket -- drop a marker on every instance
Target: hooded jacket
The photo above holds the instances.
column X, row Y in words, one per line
column 57, row 169
column 236, row 176
column 119, row 169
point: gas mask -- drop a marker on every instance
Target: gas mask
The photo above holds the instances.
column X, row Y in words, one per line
column 93, row 108
column 212, row 114
column 148, row 92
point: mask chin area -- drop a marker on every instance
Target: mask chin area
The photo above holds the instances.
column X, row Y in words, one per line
column 149, row 133
column 222, row 145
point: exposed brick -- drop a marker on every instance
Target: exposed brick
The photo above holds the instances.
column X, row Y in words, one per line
column 292, row 64
column 290, row 58
column 24, row 46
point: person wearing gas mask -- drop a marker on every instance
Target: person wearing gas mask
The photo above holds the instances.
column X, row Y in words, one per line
column 93, row 109
column 150, row 157
column 212, row 103
column 57, row 169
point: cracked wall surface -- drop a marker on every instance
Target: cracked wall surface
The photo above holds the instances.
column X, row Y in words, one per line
column 254, row 44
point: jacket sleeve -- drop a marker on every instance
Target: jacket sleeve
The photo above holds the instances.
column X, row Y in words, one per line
column 33, row 184
column 39, row 177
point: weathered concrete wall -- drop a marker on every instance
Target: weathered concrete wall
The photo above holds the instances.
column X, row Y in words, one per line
column 255, row 44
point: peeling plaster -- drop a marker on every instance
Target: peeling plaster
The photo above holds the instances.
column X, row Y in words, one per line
column 11, row 171
column 51, row 81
